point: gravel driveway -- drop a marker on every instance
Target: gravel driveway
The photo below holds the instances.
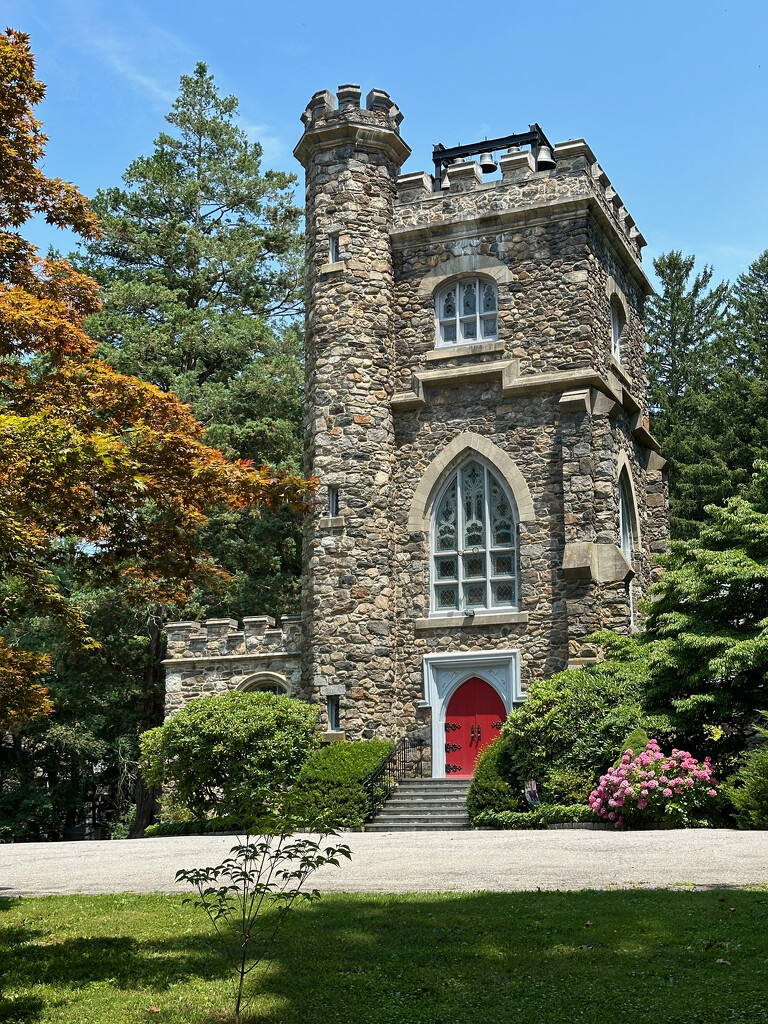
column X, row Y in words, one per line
column 415, row 862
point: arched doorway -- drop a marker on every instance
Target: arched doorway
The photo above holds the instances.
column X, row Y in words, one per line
column 474, row 719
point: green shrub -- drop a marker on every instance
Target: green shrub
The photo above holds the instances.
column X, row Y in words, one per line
column 189, row 828
column 570, row 727
column 329, row 788
column 541, row 817
column 637, row 742
column 488, row 791
column 748, row 788
column 218, row 748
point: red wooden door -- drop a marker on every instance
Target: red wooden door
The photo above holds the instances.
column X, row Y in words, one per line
column 474, row 718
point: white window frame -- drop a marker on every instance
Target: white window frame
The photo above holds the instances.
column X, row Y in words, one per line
column 479, row 317
column 487, row 551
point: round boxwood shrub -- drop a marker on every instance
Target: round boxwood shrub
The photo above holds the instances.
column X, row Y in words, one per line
column 329, row 789
column 216, row 749
column 570, row 727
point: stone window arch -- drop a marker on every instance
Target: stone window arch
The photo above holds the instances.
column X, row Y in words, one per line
column 473, row 542
column 467, row 311
column 462, row 447
column 264, row 682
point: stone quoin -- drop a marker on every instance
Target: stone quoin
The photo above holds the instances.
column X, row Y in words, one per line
column 489, row 493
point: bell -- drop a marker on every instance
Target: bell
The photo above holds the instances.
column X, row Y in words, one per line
column 544, row 161
column 487, row 164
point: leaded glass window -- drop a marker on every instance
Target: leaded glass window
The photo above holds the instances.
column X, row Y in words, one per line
column 626, row 521
column 467, row 311
column 474, row 543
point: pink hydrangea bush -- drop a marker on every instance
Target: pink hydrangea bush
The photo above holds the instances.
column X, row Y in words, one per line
column 654, row 786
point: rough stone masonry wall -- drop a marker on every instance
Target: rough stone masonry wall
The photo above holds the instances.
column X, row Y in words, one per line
column 352, row 159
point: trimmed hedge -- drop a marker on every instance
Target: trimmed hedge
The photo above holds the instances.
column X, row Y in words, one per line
column 488, row 791
column 188, row 828
column 329, row 789
column 542, row 817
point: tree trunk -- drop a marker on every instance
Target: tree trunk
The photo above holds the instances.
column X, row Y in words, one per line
column 147, row 807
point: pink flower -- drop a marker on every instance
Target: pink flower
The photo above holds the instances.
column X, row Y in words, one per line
column 667, row 791
column 642, row 804
column 712, row 792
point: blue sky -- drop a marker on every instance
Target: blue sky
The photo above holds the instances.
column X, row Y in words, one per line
column 672, row 96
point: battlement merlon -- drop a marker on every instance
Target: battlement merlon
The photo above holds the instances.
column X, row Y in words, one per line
column 325, row 125
column 576, row 176
column 217, row 638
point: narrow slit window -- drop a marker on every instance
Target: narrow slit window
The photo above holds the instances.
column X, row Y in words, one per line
column 333, row 500
column 334, row 248
column 333, row 714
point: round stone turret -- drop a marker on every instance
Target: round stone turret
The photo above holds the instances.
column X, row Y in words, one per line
column 352, row 158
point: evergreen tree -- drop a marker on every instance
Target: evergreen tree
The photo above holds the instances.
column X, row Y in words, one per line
column 199, row 258
column 703, row 649
column 687, row 357
column 750, row 318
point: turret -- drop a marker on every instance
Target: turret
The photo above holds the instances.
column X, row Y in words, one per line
column 352, row 157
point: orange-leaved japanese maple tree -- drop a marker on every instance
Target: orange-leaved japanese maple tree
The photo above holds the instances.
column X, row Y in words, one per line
column 86, row 454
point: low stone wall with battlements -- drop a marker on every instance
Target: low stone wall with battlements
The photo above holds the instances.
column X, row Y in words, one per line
column 206, row 658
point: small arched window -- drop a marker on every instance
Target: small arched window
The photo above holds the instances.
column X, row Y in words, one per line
column 467, row 311
column 265, row 682
column 474, row 543
column 618, row 323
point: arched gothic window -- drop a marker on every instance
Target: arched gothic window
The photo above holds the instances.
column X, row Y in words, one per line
column 474, row 543
column 467, row 311
column 618, row 323
column 627, row 533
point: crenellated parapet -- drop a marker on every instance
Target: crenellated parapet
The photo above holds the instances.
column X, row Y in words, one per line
column 215, row 656
column 217, row 638
column 379, row 108
column 576, row 174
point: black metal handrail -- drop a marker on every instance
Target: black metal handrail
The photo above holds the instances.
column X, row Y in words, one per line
column 390, row 770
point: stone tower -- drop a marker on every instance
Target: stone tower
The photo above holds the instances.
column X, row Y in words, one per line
column 352, row 157
column 488, row 491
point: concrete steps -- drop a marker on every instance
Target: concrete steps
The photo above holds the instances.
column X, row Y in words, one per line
column 424, row 805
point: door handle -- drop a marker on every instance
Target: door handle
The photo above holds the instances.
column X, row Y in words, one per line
column 472, row 734
column 478, row 734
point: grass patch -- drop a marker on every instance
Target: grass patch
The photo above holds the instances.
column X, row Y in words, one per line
column 589, row 957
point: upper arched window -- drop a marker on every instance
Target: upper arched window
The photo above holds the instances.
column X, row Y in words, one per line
column 627, row 533
column 474, row 543
column 618, row 323
column 467, row 311
column 626, row 517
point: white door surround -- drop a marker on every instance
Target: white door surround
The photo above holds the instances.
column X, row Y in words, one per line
column 444, row 674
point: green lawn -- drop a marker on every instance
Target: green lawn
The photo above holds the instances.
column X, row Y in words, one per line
column 538, row 958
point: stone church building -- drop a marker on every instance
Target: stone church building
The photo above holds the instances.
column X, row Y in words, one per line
column 488, row 491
